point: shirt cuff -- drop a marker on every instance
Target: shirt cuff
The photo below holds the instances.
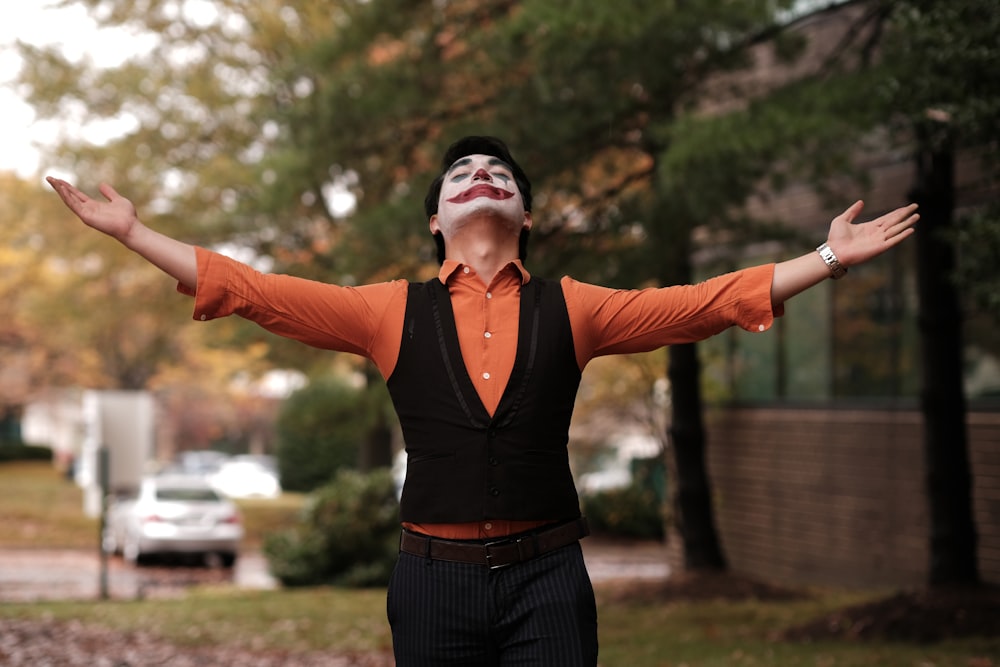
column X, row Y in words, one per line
column 757, row 311
column 209, row 297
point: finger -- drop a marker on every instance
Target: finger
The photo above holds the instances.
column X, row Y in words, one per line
column 59, row 185
column 108, row 191
column 69, row 194
column 901, row 212
column 899, row 216
column 904, row 225
column 853, row 211
column 898, row 237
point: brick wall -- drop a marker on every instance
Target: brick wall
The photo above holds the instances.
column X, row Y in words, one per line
column 834, row 496
column 837, row 496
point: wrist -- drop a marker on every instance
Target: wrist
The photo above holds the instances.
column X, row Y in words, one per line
column 837, row 270
column 132, row 236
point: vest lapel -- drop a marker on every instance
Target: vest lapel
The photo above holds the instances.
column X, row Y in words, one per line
column 527, row 350
column 451, row 353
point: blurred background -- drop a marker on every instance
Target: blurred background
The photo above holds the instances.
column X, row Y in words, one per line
column 855, row 443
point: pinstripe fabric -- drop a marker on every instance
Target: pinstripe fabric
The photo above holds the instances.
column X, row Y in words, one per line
column 537, row 613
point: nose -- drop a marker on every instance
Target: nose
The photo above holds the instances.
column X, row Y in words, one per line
column 482, row 175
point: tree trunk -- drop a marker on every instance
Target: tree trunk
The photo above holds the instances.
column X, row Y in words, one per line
column 952, row 530
column 693, row 495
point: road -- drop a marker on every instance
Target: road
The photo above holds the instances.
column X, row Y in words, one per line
column 49, row 574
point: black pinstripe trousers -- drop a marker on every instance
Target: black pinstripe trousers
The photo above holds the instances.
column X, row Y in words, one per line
column 540, row 612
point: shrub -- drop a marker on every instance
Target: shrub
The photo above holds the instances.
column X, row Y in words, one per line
column 632, row 511
column 319, row 430
column 348, row 535
column 19, row 452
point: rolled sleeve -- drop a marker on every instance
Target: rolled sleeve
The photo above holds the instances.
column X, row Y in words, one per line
column 210, row 295
column 756, row 313
column 608, row 321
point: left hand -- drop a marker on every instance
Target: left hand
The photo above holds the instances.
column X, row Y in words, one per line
column 857, row 243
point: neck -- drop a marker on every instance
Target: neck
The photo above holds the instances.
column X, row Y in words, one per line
column 486, row 248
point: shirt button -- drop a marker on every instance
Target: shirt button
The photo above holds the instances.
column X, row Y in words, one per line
column 487, row 526
column 761, row 327
column 204, row 317
column 486, row 376
column 489, row 295
column 488, row 335
column 466, row 270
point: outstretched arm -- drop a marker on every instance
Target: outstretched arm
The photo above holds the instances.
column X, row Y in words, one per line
column 117, row 218
column 850, row 243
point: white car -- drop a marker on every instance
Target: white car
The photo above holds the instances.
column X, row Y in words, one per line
column 174, row 515
column 245, row 478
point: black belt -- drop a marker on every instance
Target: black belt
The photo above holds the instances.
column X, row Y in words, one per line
column 499, row 553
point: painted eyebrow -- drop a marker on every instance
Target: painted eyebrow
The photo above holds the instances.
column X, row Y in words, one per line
column 465, row 161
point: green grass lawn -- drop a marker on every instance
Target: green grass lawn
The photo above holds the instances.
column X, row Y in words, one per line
column 39, row 508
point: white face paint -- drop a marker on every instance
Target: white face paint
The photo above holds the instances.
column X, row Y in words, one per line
column 479, row 185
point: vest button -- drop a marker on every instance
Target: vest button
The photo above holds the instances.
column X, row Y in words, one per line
column 494, row 491
column 493, row 461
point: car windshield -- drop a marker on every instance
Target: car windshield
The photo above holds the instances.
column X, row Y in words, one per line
column 191, row 494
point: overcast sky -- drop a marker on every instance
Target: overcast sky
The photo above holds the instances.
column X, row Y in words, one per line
column 38, row 22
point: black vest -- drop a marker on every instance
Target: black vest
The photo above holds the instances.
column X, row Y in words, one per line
column 463, row 465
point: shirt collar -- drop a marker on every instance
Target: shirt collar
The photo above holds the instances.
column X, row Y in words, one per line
column 450, row 266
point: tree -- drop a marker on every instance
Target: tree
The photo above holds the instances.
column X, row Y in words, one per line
column 944, row 55
column 264, row 114
column 929, row 87
column 34, row 353
column 20, row 366
column 97, row 316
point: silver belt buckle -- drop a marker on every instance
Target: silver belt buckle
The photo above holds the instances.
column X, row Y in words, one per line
column 489, row 556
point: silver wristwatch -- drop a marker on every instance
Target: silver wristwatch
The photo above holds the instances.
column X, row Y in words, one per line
column 837, row 270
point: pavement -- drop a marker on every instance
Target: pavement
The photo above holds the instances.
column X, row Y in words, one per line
column 28, row 575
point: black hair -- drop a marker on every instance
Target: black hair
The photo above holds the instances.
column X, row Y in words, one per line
column 477, row 145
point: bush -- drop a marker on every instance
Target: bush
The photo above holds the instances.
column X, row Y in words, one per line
column 348, row 535
column 24, row 453
column 319, row 430
column 633, row 511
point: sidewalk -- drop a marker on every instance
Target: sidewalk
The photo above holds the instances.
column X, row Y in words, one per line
column 66, row 574
column 609, row 560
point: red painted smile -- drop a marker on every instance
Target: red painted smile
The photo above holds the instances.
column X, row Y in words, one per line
column 481, row 190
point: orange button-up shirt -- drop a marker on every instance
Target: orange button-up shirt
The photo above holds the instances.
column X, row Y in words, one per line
column 368, row 321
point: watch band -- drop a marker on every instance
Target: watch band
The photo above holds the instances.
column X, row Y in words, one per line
column 837, row 270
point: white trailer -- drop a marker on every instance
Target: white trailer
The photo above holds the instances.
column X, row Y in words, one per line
column 122, row 422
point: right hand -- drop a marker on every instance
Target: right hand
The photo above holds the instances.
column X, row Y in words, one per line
column 116, row 217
